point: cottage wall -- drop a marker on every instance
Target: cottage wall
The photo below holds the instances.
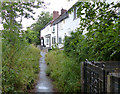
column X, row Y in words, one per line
column 61, row 27
column 68, row 25
column 46, row 33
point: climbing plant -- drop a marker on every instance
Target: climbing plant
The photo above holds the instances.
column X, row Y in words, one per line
column 98, row 37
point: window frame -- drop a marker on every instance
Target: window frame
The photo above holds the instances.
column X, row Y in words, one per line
column 53, row 29
column 54, row 40
column 60, row 42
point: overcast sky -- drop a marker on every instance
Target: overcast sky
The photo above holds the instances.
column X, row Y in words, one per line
column 52, row 5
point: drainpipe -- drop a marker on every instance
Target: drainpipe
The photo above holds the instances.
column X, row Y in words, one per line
column 57, row 34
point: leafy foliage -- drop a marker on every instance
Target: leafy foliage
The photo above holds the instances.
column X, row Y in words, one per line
column 19, row 59
column 102, row 40
column 64, row 71
column 42, row 20
column 31, row 36
column 20, row 67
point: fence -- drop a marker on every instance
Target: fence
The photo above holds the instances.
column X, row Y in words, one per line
column 100, row 77
column 113, row 83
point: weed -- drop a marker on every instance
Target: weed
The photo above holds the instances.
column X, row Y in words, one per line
column 64, row 71
column 20, row 68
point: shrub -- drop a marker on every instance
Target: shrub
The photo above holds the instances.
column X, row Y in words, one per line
column 20, row 67
column 102, row 42
column 64, row 71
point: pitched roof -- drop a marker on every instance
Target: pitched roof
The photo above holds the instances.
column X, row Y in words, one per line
column 46, row 25
column 61, row 18
column 57, row 20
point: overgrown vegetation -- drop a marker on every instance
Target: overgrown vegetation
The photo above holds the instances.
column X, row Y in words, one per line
column 20, row 60
column 102, row 40
column 0, row 63
column 64, row 71
column 20, row 67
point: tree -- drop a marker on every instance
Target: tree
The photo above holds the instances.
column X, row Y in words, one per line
column 32, row 36
column 13, row 43
column 43, row 19
column 11, row 11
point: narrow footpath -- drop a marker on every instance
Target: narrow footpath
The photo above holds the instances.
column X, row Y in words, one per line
column 44, row 83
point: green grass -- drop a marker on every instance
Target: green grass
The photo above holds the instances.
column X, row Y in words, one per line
column 20, row 68
column 64, row 71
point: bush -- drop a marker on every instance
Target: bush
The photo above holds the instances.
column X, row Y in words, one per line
column 64, row 71
column 76, row 46
column 102, row 42
column 20, row 67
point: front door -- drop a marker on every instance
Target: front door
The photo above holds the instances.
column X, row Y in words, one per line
column 42, row 41
column 50, row 41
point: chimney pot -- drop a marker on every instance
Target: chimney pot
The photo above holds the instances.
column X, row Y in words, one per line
column 63, row 11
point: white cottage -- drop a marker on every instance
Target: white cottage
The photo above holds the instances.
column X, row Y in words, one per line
column 46, row 36
column 61, row 25
column 49, row 32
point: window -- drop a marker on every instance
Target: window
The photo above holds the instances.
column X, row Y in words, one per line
column 53, row 29
column 53, row 40
column 75, row 13
column 47, row 41
column 60, row 40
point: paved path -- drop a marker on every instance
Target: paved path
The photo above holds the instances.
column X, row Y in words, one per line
column 44, row 83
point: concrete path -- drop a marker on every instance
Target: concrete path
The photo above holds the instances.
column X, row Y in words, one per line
column 44, row 84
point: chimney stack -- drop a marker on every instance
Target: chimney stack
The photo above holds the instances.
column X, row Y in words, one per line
column 55, row 14
column 63, row 11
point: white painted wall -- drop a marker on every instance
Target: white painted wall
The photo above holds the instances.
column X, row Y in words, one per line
column 70, row 24
column 44, row 32
column 54, row 34
column 64, row 28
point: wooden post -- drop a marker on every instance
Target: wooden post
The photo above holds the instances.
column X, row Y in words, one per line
column 82, row 77
column 109, row 83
